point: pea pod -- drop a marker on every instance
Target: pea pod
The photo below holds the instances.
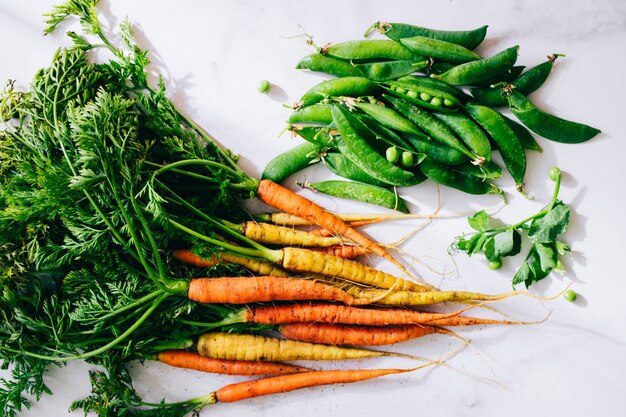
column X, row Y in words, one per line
column 427, row 92
column 506, row 76
column 433, row 127
column 474, row 71
column 340, row 165
column 454, row 178
column 321, row 136
column 359, row 152
column 469, row 132
column 384, row 134
column 389, row 118
column 526, row 83
column 437, row 151
column 389, row 70
column 346, row 86
column 316, row 114
column 439, row 49
column 290, row 162
column 489, row 170
column 328, row 65
column 467, row 38
column 366, row 50
column 526, row 139
column 510, row 148
column 365, row 193
column 547, row 125
column 439, row 67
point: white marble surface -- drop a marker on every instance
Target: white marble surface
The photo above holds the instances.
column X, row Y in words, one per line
column 213, row 53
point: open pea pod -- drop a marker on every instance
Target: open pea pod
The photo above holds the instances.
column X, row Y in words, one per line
column 426, row 92
column 359, row 152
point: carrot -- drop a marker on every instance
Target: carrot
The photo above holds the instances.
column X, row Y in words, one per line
column 245, row 347
column 335, row 313
column 243, row 290
column 308, row 261
column 286, row 236
column 281, row 198
column 311, row 262
column 341, row 334
column 410, row 298
column 286, row 383
column 261, row 268
column 353, row 219
column 343, row 251
column 195, row 361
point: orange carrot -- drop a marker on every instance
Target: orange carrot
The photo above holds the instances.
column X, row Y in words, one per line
column 286, row 383
column 195, row 361
column 343, row 251
column 243, row 290
column 341, row 334
column 283, row 199
column 336, row 313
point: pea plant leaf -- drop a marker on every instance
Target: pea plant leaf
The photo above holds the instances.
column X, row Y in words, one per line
column 541, row 229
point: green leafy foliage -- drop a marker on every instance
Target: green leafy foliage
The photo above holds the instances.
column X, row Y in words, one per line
column 542, row 230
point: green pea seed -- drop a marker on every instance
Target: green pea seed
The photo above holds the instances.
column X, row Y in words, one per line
column 264, row 86
column 401, row 90
column 436, row 101
column 554, row 173
column 448, row 103
column 425, row 96
column 392, row 154
column 570, row 296
column 411, row 93
column 495, row 264
column 407, row 158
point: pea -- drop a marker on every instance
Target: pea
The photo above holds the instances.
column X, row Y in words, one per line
column 401, row 90
column 554, row 173
column 425, row 96
column 392, row 154
column 451, row 177
column 495, row 264
column 412, row 94
column 448, row 102
column 264, row 86
column 570, row 296
column 468, row 131
column 436, row 101
column 407, row 158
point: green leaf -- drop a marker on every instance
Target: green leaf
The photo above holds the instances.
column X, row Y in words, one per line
column 507, row 243
column 540, row 261
column 479, row 221
column 547, row 228
column 547, row 257
column 562, row 248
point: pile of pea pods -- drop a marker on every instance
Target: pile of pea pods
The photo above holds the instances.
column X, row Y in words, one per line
column 418, row 105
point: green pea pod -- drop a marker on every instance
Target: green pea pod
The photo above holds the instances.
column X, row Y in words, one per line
column 437, row 151
column 439, row 67
column 320, row 136
column 526, row 83
column 384, row 134
column 474, row 71
column 433, row 127
column 346, row 86
column 455, row 178
column 436, row 88
column 525, row 137
column 389, row 118
column 470, row 39
column 427, row 92
column 389, row 70
column 366, row 50
column 359, row 152
column 365, row 193
column 508, row 144
column 547, row 125
column 316, row 114
column 340, row 165
column 439, row 49
column 489, row 170
column 328, row 65
column 290, row 162
column 506, row 76
column 469, row 132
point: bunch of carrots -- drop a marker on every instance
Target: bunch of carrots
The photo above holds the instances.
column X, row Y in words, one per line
column 114, row 205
